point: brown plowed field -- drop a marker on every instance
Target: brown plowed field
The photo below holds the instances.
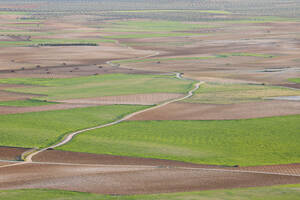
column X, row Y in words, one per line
column 29, row 57
column 291, row 85
column 292, row 169
column 107, row 174
column 5, row 163
column 131, row 179
column 13, row 110
column 12, row 96
column 189, row 111
column 11, row 153
column 137, row 99
column 141, row 99
column 57, row 156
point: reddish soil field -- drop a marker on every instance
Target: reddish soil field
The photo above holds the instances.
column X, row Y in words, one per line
column 29, row 57
column 189, row 111
column 131, row 179
column 292, row 169
column 106, row 174
column 137, row 99
column 13, row 110
column 11, row 153
column 140, row 99
column 291, row 85
column 57, row 156
column 12, row 96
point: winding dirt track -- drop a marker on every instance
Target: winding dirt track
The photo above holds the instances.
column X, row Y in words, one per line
column 133, row 175
column 69, row 137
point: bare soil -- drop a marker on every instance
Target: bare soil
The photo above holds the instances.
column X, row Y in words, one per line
column 12, row 58
column 13, row 110
column 57, row 156
column 190, row 111
column 131, row 179
column 292, row 169
column 107, row 174
column 11, row 153
column 135, row 99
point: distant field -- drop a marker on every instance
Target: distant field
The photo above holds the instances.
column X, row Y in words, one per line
column 14, row 13
column 51, row 41
column 155, row 26
column 234, row 142
column 151, row 29
column 149, row 35
column 295, row 80
column 44, row 128
column 99, row 85
column 161, row 59
column 213, row 93
column 225, row 55
column 286, row 192
column 25, row 103
column 246, row 54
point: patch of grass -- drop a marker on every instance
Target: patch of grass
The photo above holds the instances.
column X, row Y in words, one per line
column 294, row 80
column 214, row 93
column 155, row 26
column 40, row 129
column 99, row 85
column 248, row 142
column 285, row 192
column 14, row 13
column 35, row 42
column 246, row 54
column 259, row 19
column 149, row 35
column 25, row 103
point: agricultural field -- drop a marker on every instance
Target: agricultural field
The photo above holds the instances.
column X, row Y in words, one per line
column 99, row 85
column 139, row 99
column 39, row 130
column 238, row 142
column 289, row 192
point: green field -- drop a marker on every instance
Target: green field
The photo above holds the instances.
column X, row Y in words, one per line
column 225, row 55
column 248, row 142
column 13, row 13
column 99, row 85
column 40, row 129
column 155, row 26
column 51, row 41
column 286, row 192
column 295, row 80
column 215, row 93
column 246, row 54
column 25, row 103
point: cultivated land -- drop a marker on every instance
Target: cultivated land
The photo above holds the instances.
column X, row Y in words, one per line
column 40, row 129
column 97, row 86
column 67, row 66
column 238, row 142
column 289, row 192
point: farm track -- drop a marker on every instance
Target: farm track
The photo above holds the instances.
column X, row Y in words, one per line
column 28, row 157
column 135, row 178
